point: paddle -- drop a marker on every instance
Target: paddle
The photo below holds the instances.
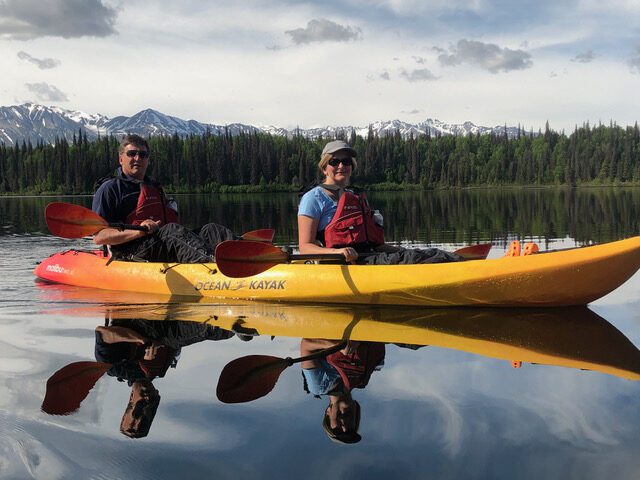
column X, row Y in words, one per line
column 70, row 385
column 475, row 252
column 249, row 378
column 236, row 258
column 74, row 221
column 260, row 235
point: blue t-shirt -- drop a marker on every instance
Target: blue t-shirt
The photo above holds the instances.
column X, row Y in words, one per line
column 317, row 204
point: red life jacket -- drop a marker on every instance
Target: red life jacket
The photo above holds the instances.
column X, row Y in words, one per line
column 152, row 204
column 356, row 369
column 160, row 363
column 353, row 224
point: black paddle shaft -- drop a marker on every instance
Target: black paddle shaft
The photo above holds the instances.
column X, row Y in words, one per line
column 126, row 226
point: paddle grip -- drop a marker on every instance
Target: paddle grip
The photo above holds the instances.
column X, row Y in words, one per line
column 126, row 226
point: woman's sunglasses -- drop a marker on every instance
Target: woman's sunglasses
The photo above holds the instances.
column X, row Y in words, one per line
column 133, row 153
column 347, row 162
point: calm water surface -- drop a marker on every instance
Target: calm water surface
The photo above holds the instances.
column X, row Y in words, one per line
column 446, row 404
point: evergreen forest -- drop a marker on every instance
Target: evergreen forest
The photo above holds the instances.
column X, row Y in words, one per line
column 600, row 155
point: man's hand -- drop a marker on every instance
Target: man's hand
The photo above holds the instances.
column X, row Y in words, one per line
column 151, row 351
column 152, row 225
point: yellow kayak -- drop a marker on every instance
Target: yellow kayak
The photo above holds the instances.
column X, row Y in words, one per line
column 574, row 337
column 562, row 278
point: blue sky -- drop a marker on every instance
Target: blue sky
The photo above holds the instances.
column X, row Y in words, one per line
column 305, row 63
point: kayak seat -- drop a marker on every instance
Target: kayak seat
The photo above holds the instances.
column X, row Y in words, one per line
column 514, row 249
column 530, row 248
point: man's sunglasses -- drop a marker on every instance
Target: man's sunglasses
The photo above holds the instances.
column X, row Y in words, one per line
column 347, row 162
column 140, row 153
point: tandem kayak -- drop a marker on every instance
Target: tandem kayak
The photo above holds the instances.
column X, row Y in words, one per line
column 569, row 277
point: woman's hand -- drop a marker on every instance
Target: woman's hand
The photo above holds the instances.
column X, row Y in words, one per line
column 350, row 254
column 351, row 347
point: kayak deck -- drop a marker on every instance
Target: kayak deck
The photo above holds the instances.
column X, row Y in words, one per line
column 562, row 278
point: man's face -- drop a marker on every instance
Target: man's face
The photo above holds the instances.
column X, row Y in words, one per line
column 134, row 160
column 140, row 410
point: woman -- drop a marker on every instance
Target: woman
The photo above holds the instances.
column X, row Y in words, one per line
column 334, row 219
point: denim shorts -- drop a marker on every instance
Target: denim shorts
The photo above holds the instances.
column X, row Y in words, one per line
column 321, row 380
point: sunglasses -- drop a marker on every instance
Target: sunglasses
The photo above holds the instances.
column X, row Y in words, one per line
column 140, row 153
column 347, row 162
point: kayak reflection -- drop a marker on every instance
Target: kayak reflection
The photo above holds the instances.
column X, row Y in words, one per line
column 567, row 337
column 342, row 346
column 573, row 337
column 134, row 351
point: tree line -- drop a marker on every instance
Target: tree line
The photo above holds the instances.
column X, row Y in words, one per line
column 264, row 162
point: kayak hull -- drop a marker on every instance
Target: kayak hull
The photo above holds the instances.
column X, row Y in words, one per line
column 563, row 278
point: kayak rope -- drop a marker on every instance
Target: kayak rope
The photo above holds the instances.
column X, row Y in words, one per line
column 212, row 271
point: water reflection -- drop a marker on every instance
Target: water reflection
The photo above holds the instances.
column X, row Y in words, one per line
column 467, row 216
column 131, row 350
column 361, row 339
column 573, row 337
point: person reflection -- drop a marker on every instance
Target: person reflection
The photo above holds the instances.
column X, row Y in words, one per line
column 140, row 351
column 335, row 376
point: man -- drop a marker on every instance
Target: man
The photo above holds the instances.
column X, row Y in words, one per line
column 130, row 196
column 140, row 351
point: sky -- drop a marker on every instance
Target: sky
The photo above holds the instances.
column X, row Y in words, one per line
column 289, row 63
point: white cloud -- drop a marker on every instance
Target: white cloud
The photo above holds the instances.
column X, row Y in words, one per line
column 47, row 93
column 28, row 19
column 584, row 57
column 323, row 30
column 488, row 56
column 41, row 63
column 634, row 61
column 417, row 75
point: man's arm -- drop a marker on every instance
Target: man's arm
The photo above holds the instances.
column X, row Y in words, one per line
column 106, row 203
column 121, row 334
column 113, row 236
column 309, row 346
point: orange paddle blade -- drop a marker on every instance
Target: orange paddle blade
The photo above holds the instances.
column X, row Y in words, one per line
column 262, row 235
column 72, row 221
column 70, row 385
column 249, row 378
column 475, row 252
column 242, row 258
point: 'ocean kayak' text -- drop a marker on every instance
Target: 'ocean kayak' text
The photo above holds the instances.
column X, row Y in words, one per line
column 252, row 285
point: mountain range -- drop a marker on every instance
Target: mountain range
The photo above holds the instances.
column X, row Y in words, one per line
column 39, row 123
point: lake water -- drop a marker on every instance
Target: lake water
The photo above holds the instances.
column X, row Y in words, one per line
column 448, row 402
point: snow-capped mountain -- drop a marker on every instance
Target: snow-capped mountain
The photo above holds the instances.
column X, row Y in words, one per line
column 38, row 123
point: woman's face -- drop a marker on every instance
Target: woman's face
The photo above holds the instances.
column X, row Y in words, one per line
column 338, row 170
